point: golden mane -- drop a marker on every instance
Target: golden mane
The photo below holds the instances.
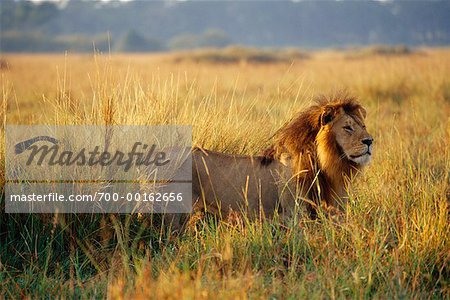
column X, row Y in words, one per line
column 316, row 158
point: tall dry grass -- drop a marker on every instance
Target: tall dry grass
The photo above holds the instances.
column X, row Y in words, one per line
column 394, row 239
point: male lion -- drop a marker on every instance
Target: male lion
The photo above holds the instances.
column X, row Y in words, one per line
column 328, row 145
column 312, row 159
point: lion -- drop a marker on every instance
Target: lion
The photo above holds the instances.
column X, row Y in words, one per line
column 311, row 161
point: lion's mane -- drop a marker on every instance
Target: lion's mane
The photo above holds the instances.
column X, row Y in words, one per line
column 317, row 160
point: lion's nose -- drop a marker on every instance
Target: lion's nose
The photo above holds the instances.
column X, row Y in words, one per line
column 367, row 141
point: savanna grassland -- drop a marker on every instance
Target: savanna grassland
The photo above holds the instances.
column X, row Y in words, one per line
column 392, row 242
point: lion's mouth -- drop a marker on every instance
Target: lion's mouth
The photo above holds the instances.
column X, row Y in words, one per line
column 361, row 155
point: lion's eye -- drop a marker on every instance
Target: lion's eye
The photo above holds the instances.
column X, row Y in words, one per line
column 348, row 128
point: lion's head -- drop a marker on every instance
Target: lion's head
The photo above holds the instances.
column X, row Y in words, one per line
column 331, row 137
column 342, row 131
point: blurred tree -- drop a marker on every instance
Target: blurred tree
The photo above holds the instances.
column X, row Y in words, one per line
column 132, row 41
column 25, row 14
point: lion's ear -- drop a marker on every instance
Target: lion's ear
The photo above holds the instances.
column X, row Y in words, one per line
column 327, row 116
column 362, row 111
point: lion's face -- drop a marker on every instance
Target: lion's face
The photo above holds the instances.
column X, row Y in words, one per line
column 352, row 137
column 348, row 131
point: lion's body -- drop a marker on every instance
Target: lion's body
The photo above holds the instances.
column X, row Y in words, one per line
column 222, row 183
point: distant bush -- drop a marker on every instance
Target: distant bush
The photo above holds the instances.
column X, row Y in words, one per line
column 184, row 41
column 381, row 50
column 237, row 54
column 215, row 38
column 389, row 50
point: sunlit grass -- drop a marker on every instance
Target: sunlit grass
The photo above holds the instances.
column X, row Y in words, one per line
column 392, row 242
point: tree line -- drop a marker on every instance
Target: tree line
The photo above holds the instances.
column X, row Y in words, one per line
column 141, row 26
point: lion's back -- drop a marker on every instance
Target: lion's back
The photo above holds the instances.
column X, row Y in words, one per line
column 226, row 182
